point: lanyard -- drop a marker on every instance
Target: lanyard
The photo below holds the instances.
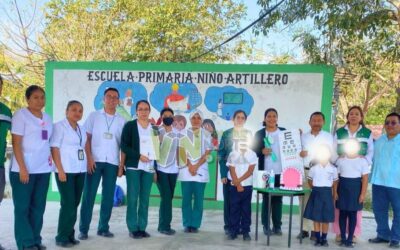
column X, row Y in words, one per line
column 79, row 133
column 109, row 125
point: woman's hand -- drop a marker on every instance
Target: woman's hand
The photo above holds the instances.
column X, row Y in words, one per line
column 144, row 158
column 23, row 175
column 120, row 171
column 335, row 196
column 62, row 176
column 91, row 165
column 224, row 180
column 239, row 188
column 361, row 198
column 303, row 153
column 192, row 169
column 267, row 151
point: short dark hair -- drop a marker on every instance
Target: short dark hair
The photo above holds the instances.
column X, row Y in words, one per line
column 111, row 89
column 317, row 113
column 72, row 102
column 238, row 112
column 142, row 101
column 166, row 110
column 393, row 114
column 266, row 113
column 29, row 91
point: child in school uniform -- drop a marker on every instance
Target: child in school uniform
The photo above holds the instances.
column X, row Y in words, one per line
column 350, row 193
column 241, row 165
column 322, row 178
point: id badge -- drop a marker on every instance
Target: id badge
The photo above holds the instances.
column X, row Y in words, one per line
column 45, row 135
column 81, row 155
column 107, row 136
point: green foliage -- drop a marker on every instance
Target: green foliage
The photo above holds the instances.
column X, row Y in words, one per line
column 137, row 30
column 361, row 38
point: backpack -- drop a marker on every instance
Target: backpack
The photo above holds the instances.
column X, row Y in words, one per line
column 118, row 196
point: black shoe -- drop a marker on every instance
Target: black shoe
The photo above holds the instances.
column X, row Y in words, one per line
column 135, row 235
column 349, row 244
column 324, row 243
column 267, row 231
column 106, row 234
column 64, row 244
column 167, row 232
column 231, row 236
column 394, row 244
column 378, row 240
column 144, row 234
column 41, row 246
column 74, row 241
column 194, row 230
column 83, row 236
column 226, row 230
column 277, row 231
column 317, row 243
column 302, row 235
column 2, row 248
column 246, row 237
column 187, row 230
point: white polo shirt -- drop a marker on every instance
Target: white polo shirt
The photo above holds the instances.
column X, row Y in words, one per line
column 352, row 168
column 269, row 164
column 241, row 163
column 323, row 176
column 145, row 135
column 202, row 173
column 69, row 141
column 311, row 143
column 171, row 164
column 35, row 149
column 104, row 148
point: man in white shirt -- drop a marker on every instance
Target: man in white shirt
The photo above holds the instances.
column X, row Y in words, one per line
column 104, row 128
column 311, row 141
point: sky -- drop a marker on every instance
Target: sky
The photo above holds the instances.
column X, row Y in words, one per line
column 278, row 41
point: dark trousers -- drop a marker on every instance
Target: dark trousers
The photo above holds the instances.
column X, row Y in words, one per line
column 166, row 185
column 343, row 217
column 276, row 207
column 382, row 198
column 2, row 182
column 29, row 206
column 70, row 197
column 108, row 174
column 226, row 194
column 240, row 210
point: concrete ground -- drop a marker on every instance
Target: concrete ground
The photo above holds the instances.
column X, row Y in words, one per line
column 210, row 236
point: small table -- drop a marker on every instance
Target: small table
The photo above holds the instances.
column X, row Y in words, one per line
column 280, row 192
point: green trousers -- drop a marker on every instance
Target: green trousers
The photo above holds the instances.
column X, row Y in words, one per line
column 70, row 193
column 226, row 194
column 192, row 214
column 276, row 208
column 138, row 183
column 166, row 185
column 29, row 206
column 108, row 173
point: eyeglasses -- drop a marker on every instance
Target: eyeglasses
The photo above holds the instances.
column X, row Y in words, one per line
column 391, row 123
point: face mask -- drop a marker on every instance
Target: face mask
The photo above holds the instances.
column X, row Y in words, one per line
column 168, row 121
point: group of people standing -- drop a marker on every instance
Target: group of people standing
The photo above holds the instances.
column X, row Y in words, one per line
column 107, row 146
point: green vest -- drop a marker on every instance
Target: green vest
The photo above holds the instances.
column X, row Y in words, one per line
column 5, row 125
column 362, row 137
